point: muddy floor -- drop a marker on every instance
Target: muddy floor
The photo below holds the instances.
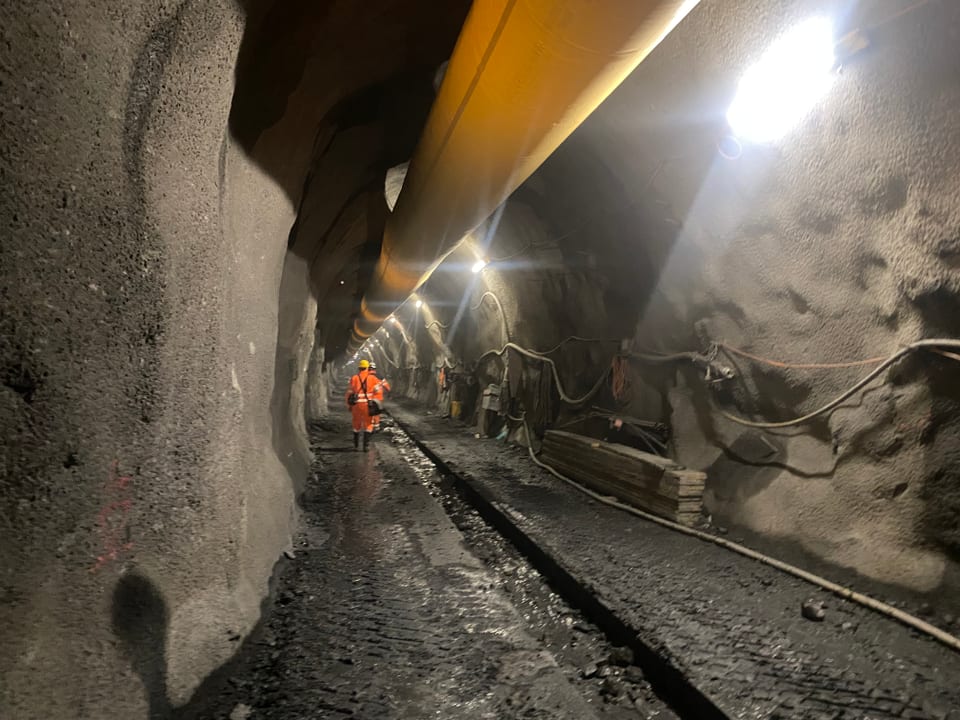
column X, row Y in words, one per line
column 399, row 601
column 733, row 626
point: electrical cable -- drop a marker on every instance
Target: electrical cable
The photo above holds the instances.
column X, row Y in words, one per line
column 512, row 255
column 503, row 315
column 822, row 366
column 577, row 338
column 844, row 592
column 637, row 425
column 898, row 14
column 646, row 442
column 390, row 360
column 946, row 354
column 866, row 380
column 553, row 367
column 673, row 357
column 620, row 383
column 506, row 331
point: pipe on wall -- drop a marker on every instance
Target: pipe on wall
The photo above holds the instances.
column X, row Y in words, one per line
column 523, row 76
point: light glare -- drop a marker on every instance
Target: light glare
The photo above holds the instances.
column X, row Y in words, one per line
column 478, row 266
column 419, row 303
column 788, row 79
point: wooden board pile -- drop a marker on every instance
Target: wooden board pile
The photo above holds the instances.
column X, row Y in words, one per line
column 646, row 481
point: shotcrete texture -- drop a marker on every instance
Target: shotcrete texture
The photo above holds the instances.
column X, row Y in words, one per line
column 839, row 242
column 183, row 184
column 192, row 204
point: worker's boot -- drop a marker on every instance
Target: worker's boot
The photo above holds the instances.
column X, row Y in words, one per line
column 356, row 441
column 366, row 440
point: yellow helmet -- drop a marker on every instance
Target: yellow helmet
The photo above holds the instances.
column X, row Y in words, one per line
column 364, row 364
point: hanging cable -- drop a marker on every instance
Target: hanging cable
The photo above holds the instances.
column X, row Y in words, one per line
column 947, row 354
column 867, row 379
column 576, row 338
column 390, row 360
column 621, row 380
column 553, row 368
column 506, row 330
column 820, row 366
column 503, row 315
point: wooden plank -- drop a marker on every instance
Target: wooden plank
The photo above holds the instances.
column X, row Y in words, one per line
column 663, row 487
column 621, row 450
column 603, row 456
column 647, row 481
column 668, row 484
column 647, row 500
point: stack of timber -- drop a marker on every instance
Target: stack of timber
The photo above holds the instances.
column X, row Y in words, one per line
column 649, row 482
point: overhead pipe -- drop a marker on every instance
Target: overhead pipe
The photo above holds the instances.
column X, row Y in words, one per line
column 523, row 76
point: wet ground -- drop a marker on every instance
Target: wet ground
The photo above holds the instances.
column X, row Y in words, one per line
column 417, row 593
column 401, row 602
column 730, row 625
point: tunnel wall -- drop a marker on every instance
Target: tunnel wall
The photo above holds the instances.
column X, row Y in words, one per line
column 158, row 319
column 143, row 511
column 837, row 243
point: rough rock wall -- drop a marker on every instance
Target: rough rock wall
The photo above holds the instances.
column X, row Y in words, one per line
column 142, row 509
column 157, row 324
column 838, row 242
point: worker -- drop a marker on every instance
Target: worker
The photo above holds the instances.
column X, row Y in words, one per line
column 359, row 392
column 381, row 387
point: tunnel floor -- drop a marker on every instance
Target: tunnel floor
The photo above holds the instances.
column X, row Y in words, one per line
column 731, row 625
column 400, row 602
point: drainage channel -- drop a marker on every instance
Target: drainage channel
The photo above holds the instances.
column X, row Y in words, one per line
column 603, row 673
column 667, row 681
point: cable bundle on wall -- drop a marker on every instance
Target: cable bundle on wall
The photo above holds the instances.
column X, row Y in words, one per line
column 564, row 395
column 936, row 343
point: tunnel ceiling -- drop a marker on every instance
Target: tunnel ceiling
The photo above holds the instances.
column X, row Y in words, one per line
column 328, row 97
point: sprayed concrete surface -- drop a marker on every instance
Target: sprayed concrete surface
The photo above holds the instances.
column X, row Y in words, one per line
column 158, row 318
column 137, row 358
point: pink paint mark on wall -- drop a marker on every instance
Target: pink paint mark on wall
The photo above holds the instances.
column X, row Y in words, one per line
column 112, row 520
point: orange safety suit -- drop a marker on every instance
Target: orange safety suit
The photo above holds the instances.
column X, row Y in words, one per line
column 361, row 385
column 379, row 389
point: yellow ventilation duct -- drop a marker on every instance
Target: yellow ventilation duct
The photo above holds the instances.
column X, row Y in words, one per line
column 523, row 76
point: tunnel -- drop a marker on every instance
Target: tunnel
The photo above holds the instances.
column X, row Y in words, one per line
column 664, row 302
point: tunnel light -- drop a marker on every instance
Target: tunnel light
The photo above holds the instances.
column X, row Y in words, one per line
column 478, row 266
column 788, row 79
column 419, row 304
column 343, row 282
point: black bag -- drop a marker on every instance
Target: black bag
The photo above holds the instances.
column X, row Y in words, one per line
column 352, row 400
column 373, row 407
